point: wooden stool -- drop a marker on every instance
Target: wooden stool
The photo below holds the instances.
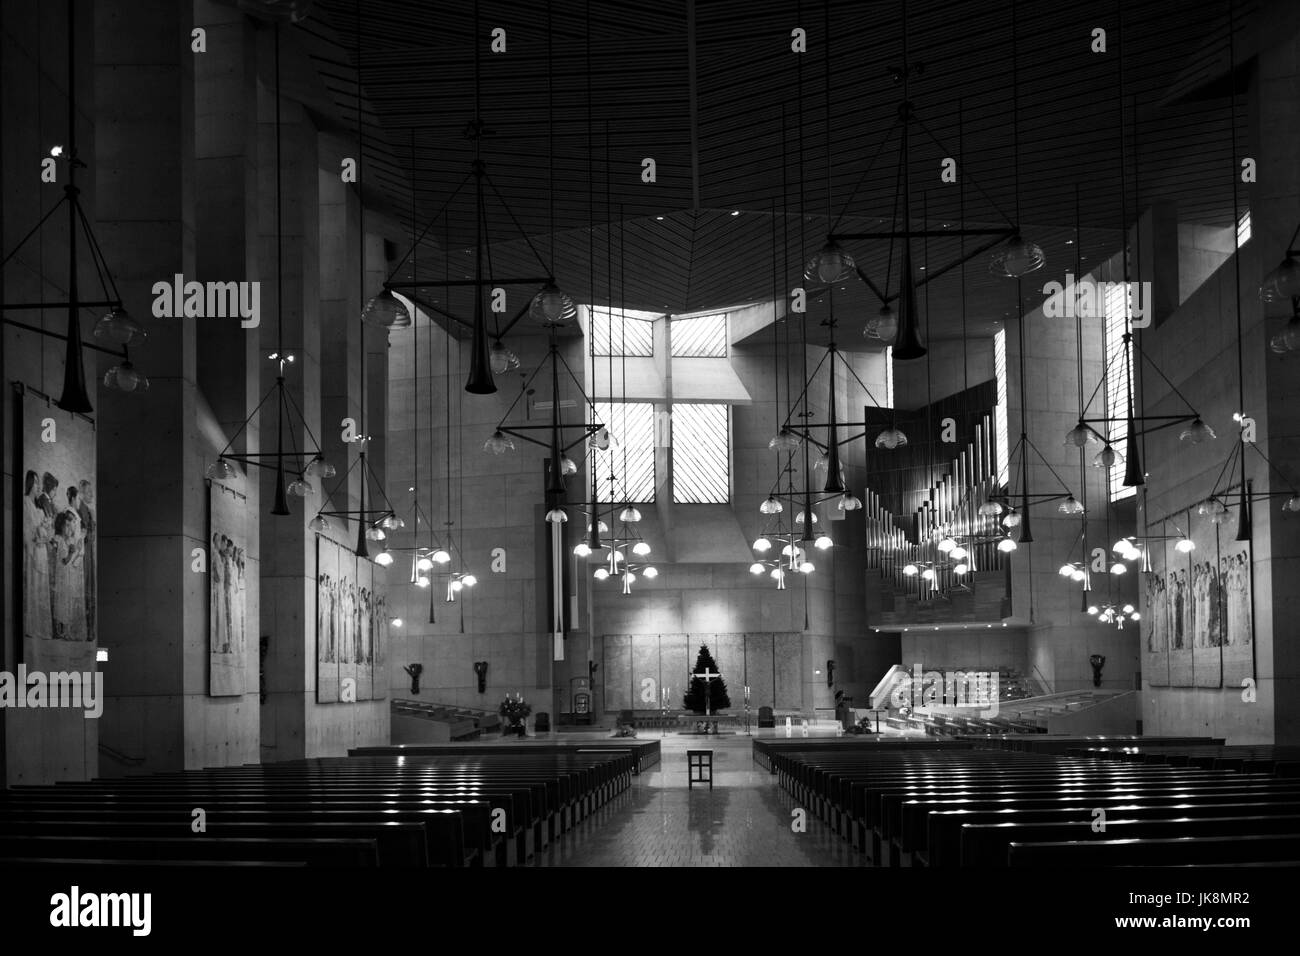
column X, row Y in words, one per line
column 700, row 760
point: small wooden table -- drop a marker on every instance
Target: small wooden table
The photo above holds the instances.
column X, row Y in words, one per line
column 700, row 760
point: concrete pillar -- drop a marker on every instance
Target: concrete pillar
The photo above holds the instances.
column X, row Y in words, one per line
column 152, row 502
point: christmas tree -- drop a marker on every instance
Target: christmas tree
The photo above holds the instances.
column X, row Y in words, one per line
column 698, row 695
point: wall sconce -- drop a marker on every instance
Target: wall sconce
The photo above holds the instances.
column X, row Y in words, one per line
column 480, row 668
column 414, row 670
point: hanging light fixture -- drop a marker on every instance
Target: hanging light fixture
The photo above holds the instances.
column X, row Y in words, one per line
column 631, row 514
column 551, row 307
column 117, row 327
column 221, row 470
column 386, row 311
column 1196, row 432
column 762, row 545
column 883, row 325
column 891, row 438
column 1081, row 435
column 1018, row 257
column 1184, row 545
column 319, row 524
column 830, row 264
column 501, row 358
column 771, row 506
column 785, row 440
column 1070, row 506
column 1282, row 283
column 1007, row 545
column 849, row 502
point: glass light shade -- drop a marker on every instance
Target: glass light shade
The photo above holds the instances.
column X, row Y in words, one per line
column 581, row 549
column 552, row 307
column 1278, row 344
column 762, row 545
column 375, row 533
column 891, row 438
column 1211, row 507
column 1080, row 435
column 823, row 542
column 1066, row 570
column 125, row 378
column 454, row 585
column 386, row 311
column 641, row 549
column 499, row 443
column 629, row 578
column 1093, row 609
column 118, row 327
column 785, row 440
column 883, row 325
column 1292, row 503
column 909, row 569
column 806, row 567
column 1119, row 567
column 299, row 488
column 946, row 544
column 1196, row 432
column 441, row 557
column 631, row 514
column 1078, row 574
column 830, row 264
column 928, row 574
column 383, row 559
column 557, row 516
column 568, row 466
column 756, row 568
column 1006, row 545
column 1185, row 545
column 421, row 581
column 1012, row 520
column 778, row 574
column 771, row 506
column 1018, row 257
column 1282, row 282
column 469, row 580
column 1128, row 608
column 1289, row 337
column 990, row 509
column 600, row 574
column 1105, row 458
column 1122, row 545
column 958, row 553
column 849, row 502
column 501, row 358
column 318, row 467
column 650, row 572
column 1071, row 506
column 600, row 440
column 221, row 470
column 392, row 522
column 616, row 557
column 790, row 551
column 960, row 569
column 424, row 563
column 799, row 518
column 604, row 528
column 318, row 523
column 1136, row 616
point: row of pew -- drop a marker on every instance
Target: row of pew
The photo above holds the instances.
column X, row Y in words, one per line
column 464, row 808
column 954, row 802
column 1281, row 761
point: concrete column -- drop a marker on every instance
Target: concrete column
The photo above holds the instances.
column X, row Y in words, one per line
column 152, row 496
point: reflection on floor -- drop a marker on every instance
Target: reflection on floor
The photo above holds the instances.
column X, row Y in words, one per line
column 745, row 820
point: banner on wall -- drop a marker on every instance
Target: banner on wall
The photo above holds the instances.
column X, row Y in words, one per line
column 55, row 566
column 228, row 577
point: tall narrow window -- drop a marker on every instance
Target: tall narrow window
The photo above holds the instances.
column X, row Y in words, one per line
column 1119, row 372
column 889, row 376
column 701, row 452
column 631, row 455
column 1001, row 435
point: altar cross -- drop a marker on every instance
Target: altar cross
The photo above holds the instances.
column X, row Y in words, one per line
column 708, row 675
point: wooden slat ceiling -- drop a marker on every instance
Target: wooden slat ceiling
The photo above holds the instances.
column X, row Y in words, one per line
column 750, row 131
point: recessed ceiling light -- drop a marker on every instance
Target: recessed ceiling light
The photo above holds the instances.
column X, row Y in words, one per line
column 659, row 218
column 735, row 212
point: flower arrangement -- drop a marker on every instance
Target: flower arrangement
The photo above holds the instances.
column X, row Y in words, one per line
column 515, row 709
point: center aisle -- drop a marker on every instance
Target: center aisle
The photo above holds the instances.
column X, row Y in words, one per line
column 744, row 821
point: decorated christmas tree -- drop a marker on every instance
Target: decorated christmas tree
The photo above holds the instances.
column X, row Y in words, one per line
column 702, row 692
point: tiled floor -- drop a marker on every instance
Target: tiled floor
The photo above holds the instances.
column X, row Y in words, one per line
column 745, row 820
